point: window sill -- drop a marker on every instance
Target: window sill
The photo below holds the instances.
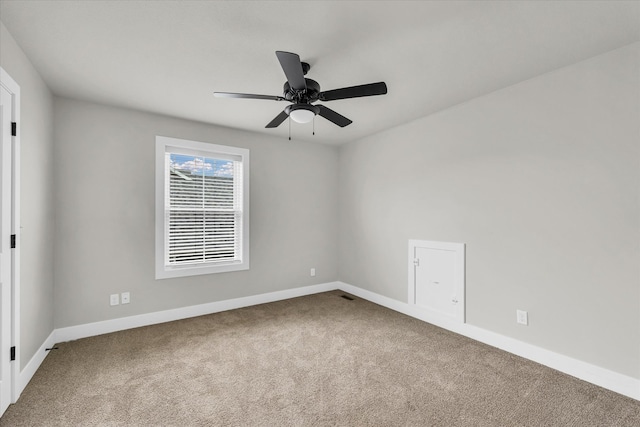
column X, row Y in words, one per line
column 171, row 272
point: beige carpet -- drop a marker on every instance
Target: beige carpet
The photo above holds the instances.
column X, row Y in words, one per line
column 311, row 361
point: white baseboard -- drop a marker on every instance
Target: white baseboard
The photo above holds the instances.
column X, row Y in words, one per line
column 30, row 369
column 602, row 377
column 107, row 326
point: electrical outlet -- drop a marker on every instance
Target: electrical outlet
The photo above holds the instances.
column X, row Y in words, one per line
column 114, row 299
column 125, row 297
column 522, row 317
column 313, row 272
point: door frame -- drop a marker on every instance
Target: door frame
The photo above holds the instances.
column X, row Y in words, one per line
column 459, row 275
column 14, row 89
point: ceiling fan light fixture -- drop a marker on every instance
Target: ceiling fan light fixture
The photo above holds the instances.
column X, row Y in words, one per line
column 302, row 116
column 302, row 113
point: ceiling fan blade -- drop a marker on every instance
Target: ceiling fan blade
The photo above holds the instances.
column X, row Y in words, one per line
column 370, row 89
column 334, row 117
column 247, row 96
column 278, row 120
column 292, row 68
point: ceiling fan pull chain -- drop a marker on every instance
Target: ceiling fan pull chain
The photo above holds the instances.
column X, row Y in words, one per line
column 314, row 125
column 289, row 128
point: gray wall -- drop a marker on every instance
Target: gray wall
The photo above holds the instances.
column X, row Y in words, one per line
column 36, row 208
column 541, row 180
column 105, row 205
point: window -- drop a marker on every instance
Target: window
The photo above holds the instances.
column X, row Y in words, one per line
column 202, row 208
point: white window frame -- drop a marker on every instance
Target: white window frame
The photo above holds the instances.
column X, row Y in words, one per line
column 165, row 144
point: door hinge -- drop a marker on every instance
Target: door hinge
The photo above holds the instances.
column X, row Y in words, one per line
column 416, row 262
column 13, row 241
column 13, row 354
column 14, row 129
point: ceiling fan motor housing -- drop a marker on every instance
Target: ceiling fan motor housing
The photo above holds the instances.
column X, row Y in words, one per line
column 310, row 95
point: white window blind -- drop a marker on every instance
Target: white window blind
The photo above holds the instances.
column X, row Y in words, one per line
column 203, row 209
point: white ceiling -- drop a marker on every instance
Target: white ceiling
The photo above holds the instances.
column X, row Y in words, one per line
column 169, row 56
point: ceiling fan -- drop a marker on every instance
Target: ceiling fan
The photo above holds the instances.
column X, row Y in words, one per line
column 302, row 93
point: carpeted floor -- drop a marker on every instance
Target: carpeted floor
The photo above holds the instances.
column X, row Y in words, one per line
column 311, row 361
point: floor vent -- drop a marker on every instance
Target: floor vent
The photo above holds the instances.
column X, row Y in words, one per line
column 347, row 297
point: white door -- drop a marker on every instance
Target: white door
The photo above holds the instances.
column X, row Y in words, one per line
column 5, row 251
column 437, row 282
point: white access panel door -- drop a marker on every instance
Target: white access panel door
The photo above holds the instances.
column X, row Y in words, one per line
column 434, row 280
column 436, row 276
